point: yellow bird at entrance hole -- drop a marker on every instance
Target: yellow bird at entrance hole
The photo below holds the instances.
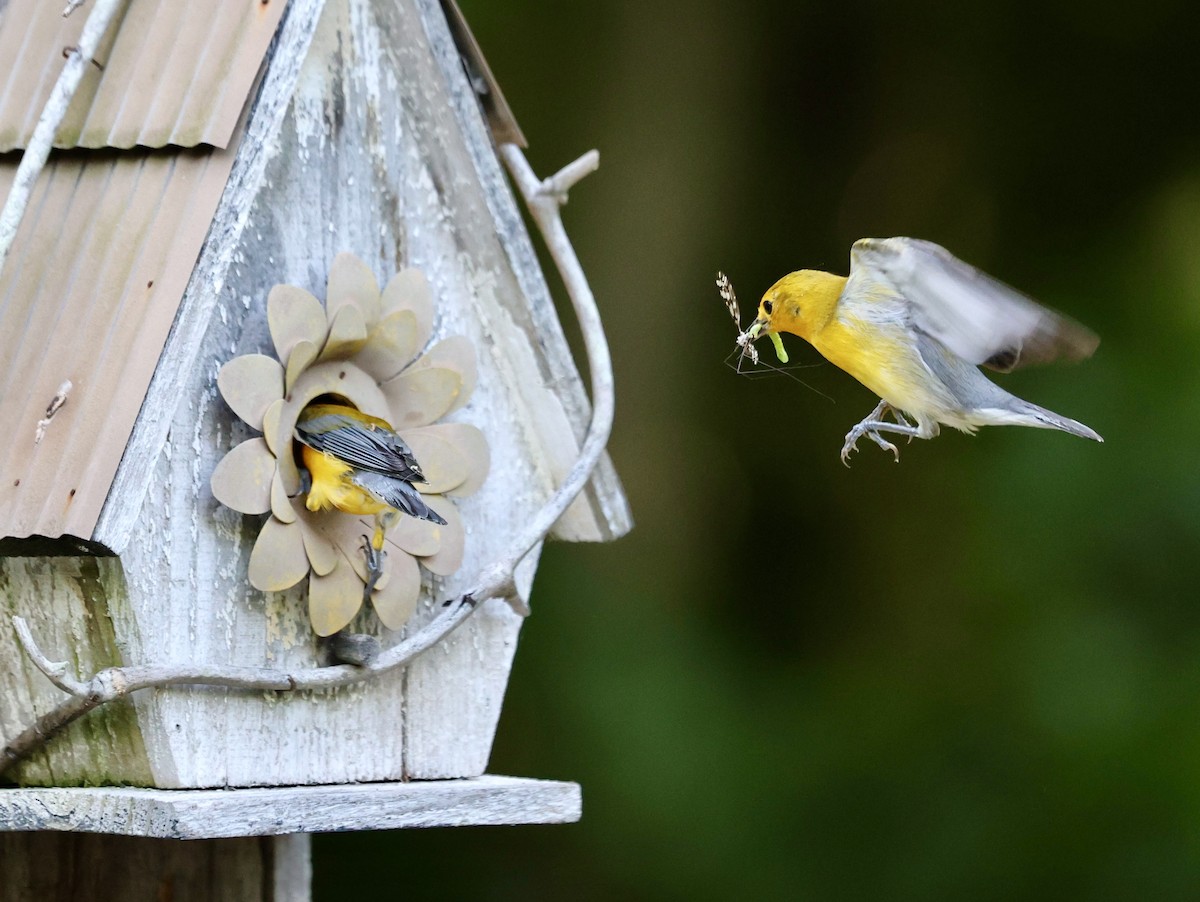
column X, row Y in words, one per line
column 359, row 465
column 913, row 323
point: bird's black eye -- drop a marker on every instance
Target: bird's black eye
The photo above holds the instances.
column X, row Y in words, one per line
column 768, row 307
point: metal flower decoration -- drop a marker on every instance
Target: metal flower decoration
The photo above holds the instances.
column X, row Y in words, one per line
column 361, row 348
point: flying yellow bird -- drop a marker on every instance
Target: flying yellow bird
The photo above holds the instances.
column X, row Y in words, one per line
column 359, row 465
column 912, row 323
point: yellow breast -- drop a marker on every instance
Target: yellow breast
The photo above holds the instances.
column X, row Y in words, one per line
column 884, row 360
column 331, row 486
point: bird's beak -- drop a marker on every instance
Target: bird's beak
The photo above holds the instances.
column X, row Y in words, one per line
column 761, row 327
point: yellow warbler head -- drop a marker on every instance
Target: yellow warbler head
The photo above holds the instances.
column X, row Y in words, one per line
column 801, row 303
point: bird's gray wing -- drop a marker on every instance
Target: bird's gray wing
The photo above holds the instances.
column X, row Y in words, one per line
column 979, row 318
column 397, row 493
column 360, row 446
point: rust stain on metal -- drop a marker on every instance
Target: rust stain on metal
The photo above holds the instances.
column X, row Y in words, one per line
column 173, row 73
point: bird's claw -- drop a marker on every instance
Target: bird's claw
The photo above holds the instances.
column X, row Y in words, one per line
column 885, row 444
column 849, row 448
column 860, row 431
column 873, row 426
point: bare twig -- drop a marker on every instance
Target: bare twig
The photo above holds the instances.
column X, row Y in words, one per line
column 495, row 581
column 544, row 200
column 55, row 671
column 38, row 149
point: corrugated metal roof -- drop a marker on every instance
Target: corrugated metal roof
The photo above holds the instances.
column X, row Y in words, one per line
column 87, row 297
column 174, row 72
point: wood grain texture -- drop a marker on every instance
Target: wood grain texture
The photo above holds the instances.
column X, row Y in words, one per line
column 601, row 513
column 210, row 814
column 66, row 601
column 373, row 145
column 57, row 867
column 253, row 138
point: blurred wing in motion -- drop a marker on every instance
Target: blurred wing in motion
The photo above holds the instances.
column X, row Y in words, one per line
column 979, row 318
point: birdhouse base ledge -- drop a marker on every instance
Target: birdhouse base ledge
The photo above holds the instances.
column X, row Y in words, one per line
column 488, row 800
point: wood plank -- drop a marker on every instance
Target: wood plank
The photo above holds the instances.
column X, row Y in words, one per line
column 219, row 813
column 57, row 867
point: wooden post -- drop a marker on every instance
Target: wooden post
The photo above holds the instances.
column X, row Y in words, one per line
column 44, row 867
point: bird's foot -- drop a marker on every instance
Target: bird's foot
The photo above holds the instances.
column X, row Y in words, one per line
column 901, row 420
column 861, row 430
column 374, row 560
column 873, row 427
column 885, row 444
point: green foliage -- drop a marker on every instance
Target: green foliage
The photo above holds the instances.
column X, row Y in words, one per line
column 972, row 675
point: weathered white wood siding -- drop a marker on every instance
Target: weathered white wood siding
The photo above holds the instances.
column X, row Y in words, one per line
column 381, row 153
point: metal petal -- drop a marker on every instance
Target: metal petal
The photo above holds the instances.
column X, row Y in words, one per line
column 294, row 315
column 270, row 427
column 396, row 601
column 347, row 333
column 409, row 290
column 281, row 504
column 278, row 560
column 444, row 467
column 421, row 396
column 344, row 534
column 449, row 556
column 391, row 345
column 352, row 282
column 249, row 384
column 419, row 537
column 301, row 358
column 321, row 554
column 454, row 353
column 384, row 578
column 333, row 599
column 469, row 441
column 242, row 479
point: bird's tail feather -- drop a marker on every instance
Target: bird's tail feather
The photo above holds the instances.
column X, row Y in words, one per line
column 409, row 500
column 1048, row 419
column 399, row 494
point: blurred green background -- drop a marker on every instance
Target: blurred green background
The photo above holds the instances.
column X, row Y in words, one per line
column 972, row 675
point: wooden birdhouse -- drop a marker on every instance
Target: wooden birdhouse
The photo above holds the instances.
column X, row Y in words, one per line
column 251, row 208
